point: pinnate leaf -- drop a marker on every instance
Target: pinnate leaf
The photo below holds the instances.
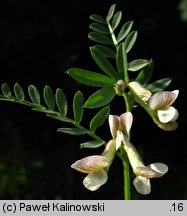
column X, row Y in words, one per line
column 137, row 64
column 146, row 73
column 116, row 20
column 49, row 97
column 78, row 106
column 100, row 38
column 100, row 98
column 61, row 102
column 98, row 18
column 124, row 31
column 18, row 91
column 121, row 59
column 103, row 63
column 6, row 90
column 158, row 85
column 105, row 51
column 130, row 40
column 99, row 28
column 90, row 78
column 34, row 94
column 72, row 131
column 92, row 144
column 99, row 118
column 111, row 12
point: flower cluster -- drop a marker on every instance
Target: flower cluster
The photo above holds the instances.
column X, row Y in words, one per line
column 164, row 115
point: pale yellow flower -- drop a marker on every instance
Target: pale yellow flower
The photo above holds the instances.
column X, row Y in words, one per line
column 143, row 173
column 96, row 166
column 157, row 105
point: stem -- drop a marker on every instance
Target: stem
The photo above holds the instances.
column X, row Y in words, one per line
column 112, row 34
column 125, row 160
column 90, row 133
column 126, row 173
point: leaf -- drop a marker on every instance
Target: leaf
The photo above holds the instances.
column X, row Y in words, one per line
column 61, row 102
column 103, row 63
column 158, row 85
column 49, row 97
column 98, row 19
column 121, row 59
column 92, row 144
column 18, row 91
column 130, row 40
column 100, row 38
column 72, row 131
column 124, row 31
column 90, row 78
column 146, row 73
column 100, row 98
column 137, row 64
column 116, row 20
column 34, row 94
column 6, row 90
column 111, row 12
column 78, row 106
column 60, row 118
column 43, row 110
column 105, row 51
column 99, row 28
column 99, row 118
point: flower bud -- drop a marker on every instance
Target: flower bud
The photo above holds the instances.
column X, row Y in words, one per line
column 120, row 87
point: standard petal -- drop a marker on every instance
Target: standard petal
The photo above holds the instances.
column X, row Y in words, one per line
column 126, row 120
column 113, row 124
column 160, row 168
column 162, row 100
column 168, row 114
column 142, row 185
column 90, row 164
column 95, row 180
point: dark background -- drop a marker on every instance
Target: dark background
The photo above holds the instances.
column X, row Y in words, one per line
column 39, row 41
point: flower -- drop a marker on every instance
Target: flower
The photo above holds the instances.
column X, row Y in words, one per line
column 96, row 166
column 121, row 123
column 167, row 115
column 140, row 91
column 143, row 173
column 157, row 105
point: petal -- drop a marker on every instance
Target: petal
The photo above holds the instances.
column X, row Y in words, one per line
column 160, row 168
column 168, row 114
column 146, row 172
column 126, row 120
column 113, row 124
column 95, row 180
column 162, row 100
column 142, row 185
column 109, row 151
column 170, row 126
column 121, row 139
column 90, row 164
column 140, row 91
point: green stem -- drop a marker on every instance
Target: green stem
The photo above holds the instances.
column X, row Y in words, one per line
column 125, row 160
column 126, row 173
column 112, row 35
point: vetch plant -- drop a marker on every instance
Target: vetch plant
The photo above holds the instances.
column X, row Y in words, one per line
column 113, row 78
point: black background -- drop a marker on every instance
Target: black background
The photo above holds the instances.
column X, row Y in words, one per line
column 39, row 41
